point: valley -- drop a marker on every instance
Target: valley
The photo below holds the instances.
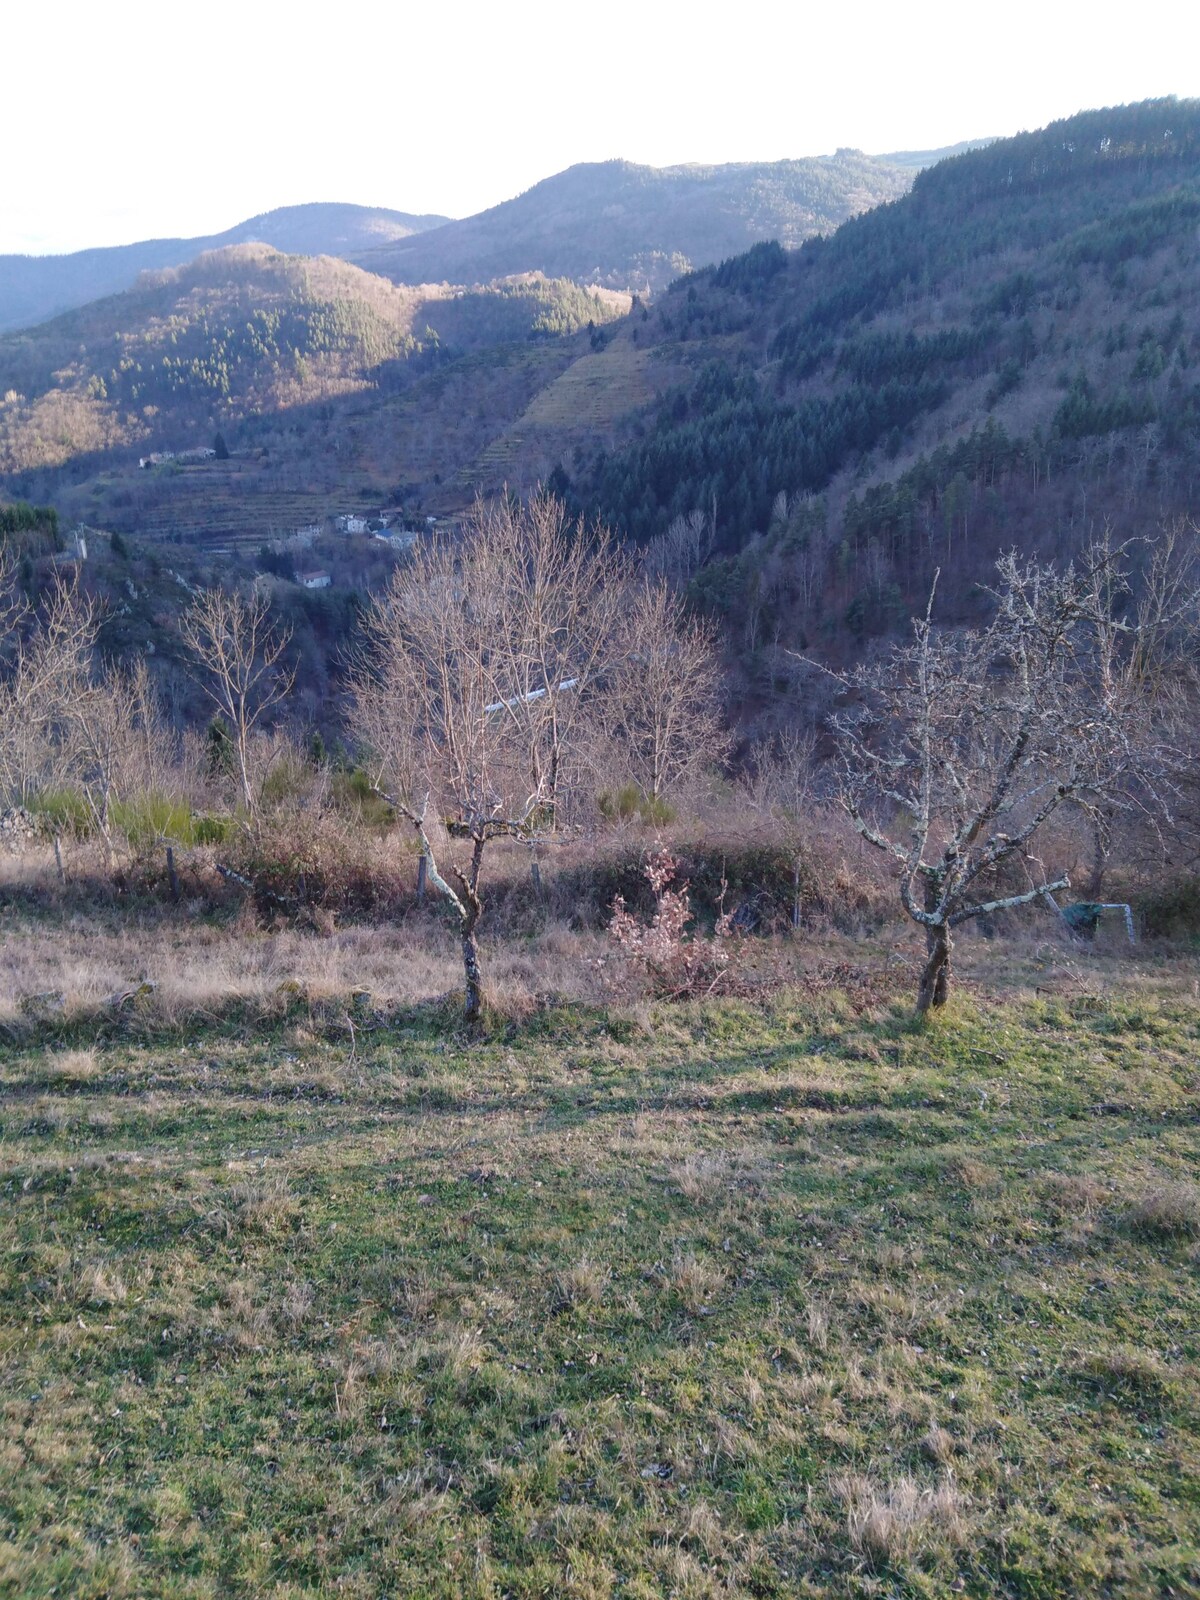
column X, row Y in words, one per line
column 599, row 821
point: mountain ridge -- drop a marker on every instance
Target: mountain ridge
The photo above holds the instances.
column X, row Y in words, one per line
column 630, row 226
column 35, row 288
column 788, row 199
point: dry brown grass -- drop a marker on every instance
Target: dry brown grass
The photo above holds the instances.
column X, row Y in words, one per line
column 891, row 1522
column 73, row 1066
column 1169, row 1209
column 695, row 1281
column 938, row 1445
column 82, row 968
column 702, row 1177
column 816, row 1322
column 581, row 1284
column 1125, row 1368
column 100, row 1284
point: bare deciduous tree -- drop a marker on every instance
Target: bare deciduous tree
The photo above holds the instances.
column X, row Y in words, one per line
column 561, row 589
column 677, row 554
column 114, row 741
column 64, row 720
column 662, row 700
column 962, row 745
column 45, row 658
column 238, row 661
column 1148, row 631
column 481, row 655
column 493, row 660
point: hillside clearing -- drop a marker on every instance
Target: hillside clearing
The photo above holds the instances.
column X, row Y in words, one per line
column 733, row 1300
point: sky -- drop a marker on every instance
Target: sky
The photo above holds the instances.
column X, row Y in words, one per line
column 132, row 120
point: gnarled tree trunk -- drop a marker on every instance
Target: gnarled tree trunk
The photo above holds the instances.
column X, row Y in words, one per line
column 471, row 909
column 473, row 1004
column 935, row 980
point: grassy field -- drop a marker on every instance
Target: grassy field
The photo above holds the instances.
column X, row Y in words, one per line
column 780, row 1299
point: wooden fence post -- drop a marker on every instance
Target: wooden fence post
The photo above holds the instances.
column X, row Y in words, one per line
column 172, row 875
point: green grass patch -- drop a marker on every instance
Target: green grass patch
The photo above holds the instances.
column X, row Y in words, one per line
column 751, row 1301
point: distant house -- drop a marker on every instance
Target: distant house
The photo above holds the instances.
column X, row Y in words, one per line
column 314, row 580
column 75, row 553
column 398, row 541
column 310, row 531
column 352, row 523
column 159, row 458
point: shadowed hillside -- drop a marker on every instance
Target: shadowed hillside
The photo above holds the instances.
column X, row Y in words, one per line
column 1005, row 356
column 244, row 332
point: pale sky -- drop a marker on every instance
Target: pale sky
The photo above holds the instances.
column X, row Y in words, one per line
column 146, row 118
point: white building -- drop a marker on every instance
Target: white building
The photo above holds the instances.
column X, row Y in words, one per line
column 314, row 580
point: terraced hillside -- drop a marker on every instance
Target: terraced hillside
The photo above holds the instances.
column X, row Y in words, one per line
column 308, row 361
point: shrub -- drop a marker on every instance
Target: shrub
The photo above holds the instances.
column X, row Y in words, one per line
column 662, row 951
column 151, row 819
column 214, row 829
column 64, row 810
column 310, row 858
column 754, row 877
column 289, row 778
column 1171, row 910
column 354, row 794
column 627, row 802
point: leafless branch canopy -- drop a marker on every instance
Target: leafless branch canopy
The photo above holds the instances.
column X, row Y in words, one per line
column 958, row 747
column 237, row 659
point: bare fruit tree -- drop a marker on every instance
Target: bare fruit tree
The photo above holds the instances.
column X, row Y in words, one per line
column 237, row 657
column 496, row 661
column 959, row 747
column 472, row 691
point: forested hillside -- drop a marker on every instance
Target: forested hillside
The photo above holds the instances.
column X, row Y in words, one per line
column 1004, row 356
column 1008, row 355
column 33, row 288
column 614, row 223
column 244, row 332
column 635, row 227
